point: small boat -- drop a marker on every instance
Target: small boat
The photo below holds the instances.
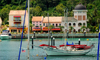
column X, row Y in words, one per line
column 5, row 35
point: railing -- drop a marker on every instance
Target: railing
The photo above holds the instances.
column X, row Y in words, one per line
column 17, row 26
column 17, row 20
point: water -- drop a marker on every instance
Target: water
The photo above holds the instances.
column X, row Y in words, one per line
column 9, row 49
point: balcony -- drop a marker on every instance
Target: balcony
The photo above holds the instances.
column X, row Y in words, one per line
column 18, row 27
column 17, row 20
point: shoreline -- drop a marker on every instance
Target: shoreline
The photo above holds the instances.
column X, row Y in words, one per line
column 80, row 35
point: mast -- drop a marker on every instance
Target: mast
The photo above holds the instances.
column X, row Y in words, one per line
column 28, row 30
column 48, row 32
column 65, row 23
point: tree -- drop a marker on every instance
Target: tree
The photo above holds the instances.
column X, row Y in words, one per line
column 4, row 14
column 83, row 28
column 60, row 9
column 71, row 28
column 61, row 27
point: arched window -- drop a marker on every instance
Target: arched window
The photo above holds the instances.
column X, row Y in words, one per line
column 74, row 24
column 79, row 30
column 79, row 24
column 69, row 24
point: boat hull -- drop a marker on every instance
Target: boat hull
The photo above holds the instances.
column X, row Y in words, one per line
column 5, row 37
column 63, row 52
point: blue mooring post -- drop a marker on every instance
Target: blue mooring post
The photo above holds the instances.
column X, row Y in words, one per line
column 32, row 42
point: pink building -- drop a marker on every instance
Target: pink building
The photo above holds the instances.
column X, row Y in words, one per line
column 55, row 21
column 37, row 21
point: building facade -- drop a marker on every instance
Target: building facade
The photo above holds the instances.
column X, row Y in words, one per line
column 16, row 20
column 55, row 21
column 37, row 21
column 79, row 19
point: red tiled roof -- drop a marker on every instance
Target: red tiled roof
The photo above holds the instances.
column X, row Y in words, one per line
column 17, row 12
column 37, row 18
column 52, row 20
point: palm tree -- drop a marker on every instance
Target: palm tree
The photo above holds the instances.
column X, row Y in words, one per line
column 51, row 26
column 71, row 28
column 61, row 27
column 83, row 27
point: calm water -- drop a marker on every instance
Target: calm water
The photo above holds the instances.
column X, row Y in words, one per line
column 9, row 50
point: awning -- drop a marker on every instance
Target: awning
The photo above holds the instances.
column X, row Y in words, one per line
column 56, row 29
column 17, row 16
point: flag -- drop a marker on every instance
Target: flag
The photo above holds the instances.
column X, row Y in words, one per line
column 23, row 50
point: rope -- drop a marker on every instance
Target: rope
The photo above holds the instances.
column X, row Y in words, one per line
column 22, row 32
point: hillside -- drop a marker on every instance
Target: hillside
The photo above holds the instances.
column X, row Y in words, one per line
column 53, row 7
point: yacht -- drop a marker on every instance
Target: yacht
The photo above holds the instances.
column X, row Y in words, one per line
column 5, row 35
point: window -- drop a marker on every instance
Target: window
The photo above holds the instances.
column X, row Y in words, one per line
column 69, row 24
column 36, row 24
column 74, row 24
column 84, row 17
column 40, row 24
column 79, row 24
column 33, row 24
column 59, row 24
column 17, row 18
column 53, row 24
column 43, row 24
column 79, row 12
column 56, row 25
column 79, row 17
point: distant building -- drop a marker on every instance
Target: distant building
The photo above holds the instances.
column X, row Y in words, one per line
column 79, row 19
column 37, row 21
column 55, row 21
column 0, row 21
column 16, row 19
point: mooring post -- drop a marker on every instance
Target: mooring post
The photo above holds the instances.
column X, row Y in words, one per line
column 53, row 41
column 79, row 42
column 32, row 42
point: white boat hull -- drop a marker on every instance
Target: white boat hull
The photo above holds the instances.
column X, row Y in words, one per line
column 51, row 51
column 5, row 37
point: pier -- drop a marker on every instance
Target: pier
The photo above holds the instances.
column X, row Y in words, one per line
column 60, row 35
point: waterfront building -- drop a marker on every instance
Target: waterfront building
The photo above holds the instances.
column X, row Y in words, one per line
column 37, row 23
column 16, row 19
column 79, row 19
column 55, row 21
